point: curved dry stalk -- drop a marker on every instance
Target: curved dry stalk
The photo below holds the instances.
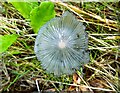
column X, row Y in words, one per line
column 108, row 23
column 82, row 86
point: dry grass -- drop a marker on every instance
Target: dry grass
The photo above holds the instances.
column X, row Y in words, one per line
column 21, row 71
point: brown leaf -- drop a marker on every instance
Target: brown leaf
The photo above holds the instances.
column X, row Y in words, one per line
column 97, row 83
column 50, row 90
column 71, row 88
column 76, row 79
column 83, row 88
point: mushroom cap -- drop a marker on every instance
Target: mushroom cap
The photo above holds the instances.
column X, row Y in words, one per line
column 61, row 45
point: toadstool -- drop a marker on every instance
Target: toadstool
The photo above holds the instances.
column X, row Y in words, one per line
column 61, row 45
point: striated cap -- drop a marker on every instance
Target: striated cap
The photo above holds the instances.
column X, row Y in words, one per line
column 61, row 45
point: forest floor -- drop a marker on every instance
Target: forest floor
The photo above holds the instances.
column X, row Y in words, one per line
column 22, row 72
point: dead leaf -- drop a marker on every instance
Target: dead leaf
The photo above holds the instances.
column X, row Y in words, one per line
column 83, row 88
column 98, row 83
column 71, row 88
column 76, row 79
column 50, row 90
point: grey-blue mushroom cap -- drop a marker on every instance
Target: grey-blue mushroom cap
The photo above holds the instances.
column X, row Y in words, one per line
column 61, row 45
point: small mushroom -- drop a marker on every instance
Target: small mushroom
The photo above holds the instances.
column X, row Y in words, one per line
column 61, row 45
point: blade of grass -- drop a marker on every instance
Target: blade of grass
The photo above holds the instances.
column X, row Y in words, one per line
column 17, row 78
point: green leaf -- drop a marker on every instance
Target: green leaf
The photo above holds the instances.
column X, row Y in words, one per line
column 41, row 14
column 24, row 6
column 6, row 41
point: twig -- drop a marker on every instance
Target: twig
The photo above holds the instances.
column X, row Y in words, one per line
column 36, row 81
column 29, row 57
column 31, row 35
